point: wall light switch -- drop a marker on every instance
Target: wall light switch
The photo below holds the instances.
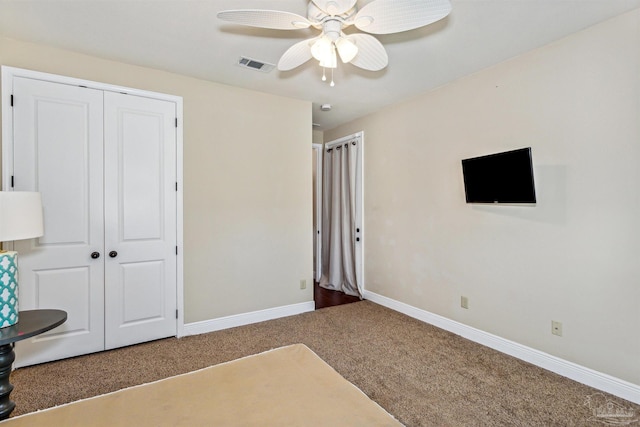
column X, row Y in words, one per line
column 464, row 302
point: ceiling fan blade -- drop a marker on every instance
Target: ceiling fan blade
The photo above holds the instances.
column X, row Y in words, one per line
column 395, row 16
column 273, row 19
column 296, row 55
column 334, row 7
column 371, row 54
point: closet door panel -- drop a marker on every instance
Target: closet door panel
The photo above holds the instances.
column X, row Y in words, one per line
column 140, row 294
column 141, row 175
column 57, row 148
column 140, row 219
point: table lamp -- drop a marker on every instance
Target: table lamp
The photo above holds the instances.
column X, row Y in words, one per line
column 20, row 218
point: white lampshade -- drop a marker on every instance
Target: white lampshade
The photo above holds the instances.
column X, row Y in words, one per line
column 20, row 215
column 346, row 49
column 330, row 61
column 321, row 49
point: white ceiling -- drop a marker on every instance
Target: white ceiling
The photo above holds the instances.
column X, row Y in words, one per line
column 185, row 37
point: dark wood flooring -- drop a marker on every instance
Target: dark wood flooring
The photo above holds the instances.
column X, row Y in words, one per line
column 328, row 298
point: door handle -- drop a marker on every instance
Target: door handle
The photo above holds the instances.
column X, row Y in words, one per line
column 95, row 255
column 113, row 254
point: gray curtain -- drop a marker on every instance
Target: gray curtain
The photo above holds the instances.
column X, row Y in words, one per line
column 339, row 218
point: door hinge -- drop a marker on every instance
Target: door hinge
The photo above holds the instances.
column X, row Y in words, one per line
column 12, row 181
column 176, row 313
column 176, row 186
column 176, row 122
column 12, row 100
column 176, row 250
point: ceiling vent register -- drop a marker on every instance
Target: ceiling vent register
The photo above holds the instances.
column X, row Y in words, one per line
column 254, row 64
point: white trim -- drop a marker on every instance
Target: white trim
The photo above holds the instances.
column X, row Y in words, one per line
column 360, row 214
column 227, row 322
column 317, row 236
column 180, row 217
column 8, row 74
column 7, row 128
column 343, row 139
column 581, row 374
column 72, row 81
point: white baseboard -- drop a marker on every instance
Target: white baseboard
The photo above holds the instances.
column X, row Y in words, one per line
column 220, row 323
column 584, row 375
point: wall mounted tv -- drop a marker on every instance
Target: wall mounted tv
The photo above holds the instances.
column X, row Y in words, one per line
column 500, row 178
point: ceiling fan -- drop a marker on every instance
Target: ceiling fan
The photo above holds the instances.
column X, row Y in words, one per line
column 332, row 17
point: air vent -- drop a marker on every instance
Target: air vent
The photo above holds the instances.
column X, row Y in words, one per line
column 254, row 64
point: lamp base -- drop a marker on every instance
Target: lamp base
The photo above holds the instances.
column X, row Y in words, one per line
column 8, row 288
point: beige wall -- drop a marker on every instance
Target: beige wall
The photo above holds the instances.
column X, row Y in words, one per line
column 317, row 136
column 574, row 257
column 247, row 183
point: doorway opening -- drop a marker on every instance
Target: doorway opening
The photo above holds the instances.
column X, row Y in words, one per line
column 338, row 218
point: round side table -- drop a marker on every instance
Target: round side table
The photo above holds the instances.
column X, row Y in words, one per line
column 30, row 323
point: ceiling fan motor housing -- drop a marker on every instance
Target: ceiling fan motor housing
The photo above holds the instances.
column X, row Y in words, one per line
column 332, row 28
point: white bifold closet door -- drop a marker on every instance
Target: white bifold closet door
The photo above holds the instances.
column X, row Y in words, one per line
column 105, row 164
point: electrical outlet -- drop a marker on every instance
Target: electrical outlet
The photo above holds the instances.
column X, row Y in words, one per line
column 464, row 302
column 556, row 328
column 303, row 284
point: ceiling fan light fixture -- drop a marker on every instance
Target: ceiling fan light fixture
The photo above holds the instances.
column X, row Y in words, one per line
column 330, row 61
column 332, row 17
column 324, row 51
column 346, row 49
column 321, row 49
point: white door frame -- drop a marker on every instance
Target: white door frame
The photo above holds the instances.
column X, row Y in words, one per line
column 8, row 74
column 359, row 250
column 318, row 208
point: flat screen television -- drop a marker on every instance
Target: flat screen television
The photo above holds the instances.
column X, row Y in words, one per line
column 500, row 178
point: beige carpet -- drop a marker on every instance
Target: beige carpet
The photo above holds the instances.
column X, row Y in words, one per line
column 289, row 386
column 422, row 375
